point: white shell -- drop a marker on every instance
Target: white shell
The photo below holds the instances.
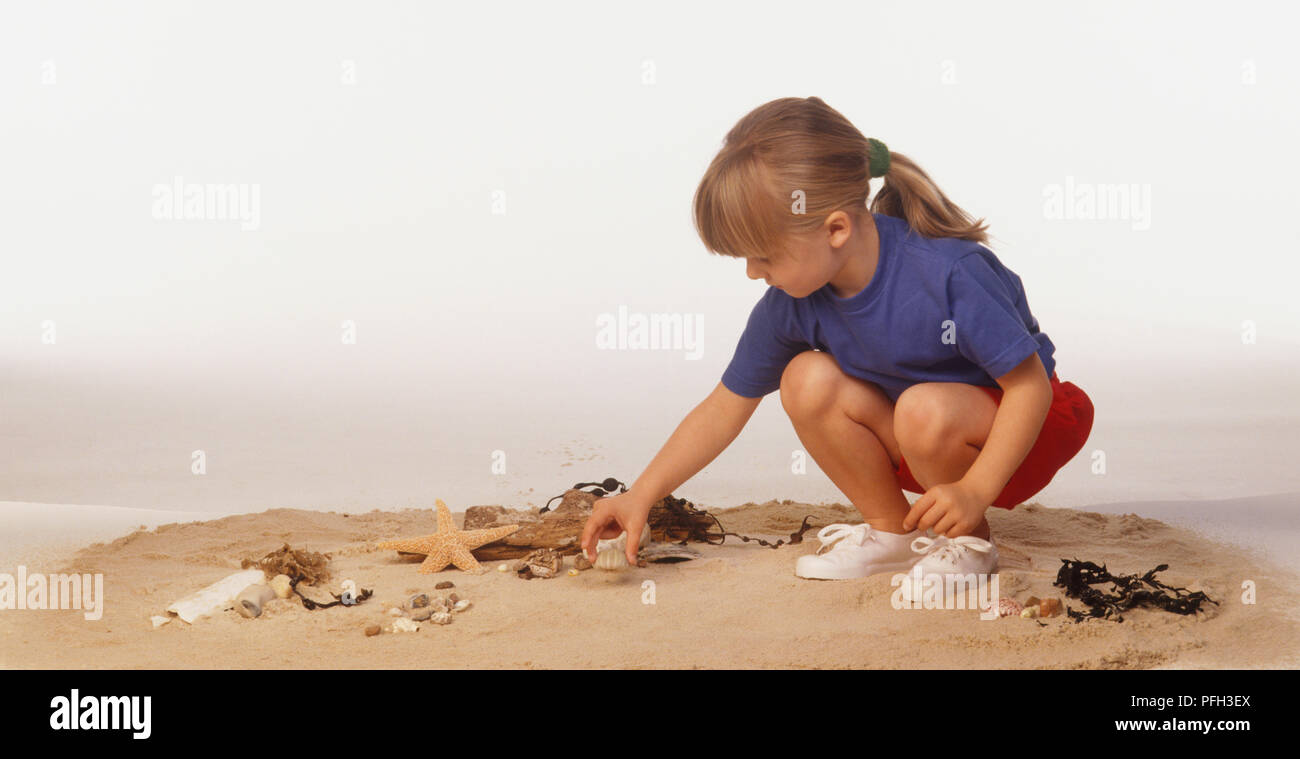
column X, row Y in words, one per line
column 404, row 625
column 441, row 618
column 249, row 602
column 159, row 621
column 281, row 585
column 621, row 541
column 503, row 568
column 218, row 596
column 461, row 605
column 611, row 559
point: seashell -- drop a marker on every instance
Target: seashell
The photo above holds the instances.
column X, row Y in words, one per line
column 1049, row 607
column 1007, row 607
column 441, row 618
column 574, row 573
column 444, row 585
column 249, row 602
column 439, row 604
column 668, row 553
column 581, row 562
column 404, row 625
column 461, row 605
column 372, row 630
column 503, row 568
column 423, row 613
column 282, row 586
column 159, row 621
column 611, row 559
column 543, row 563
column 417, row 601
column 216, row 597
column 621, row 541
column 1029, row 612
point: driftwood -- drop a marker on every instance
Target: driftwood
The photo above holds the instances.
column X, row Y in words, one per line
column 561, row 527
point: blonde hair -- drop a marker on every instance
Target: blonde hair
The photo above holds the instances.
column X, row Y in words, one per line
column 744, row 205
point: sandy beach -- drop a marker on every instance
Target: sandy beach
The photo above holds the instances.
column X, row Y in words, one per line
column 738, row 606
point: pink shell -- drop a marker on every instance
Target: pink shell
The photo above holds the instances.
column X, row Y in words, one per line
column 1007, row 607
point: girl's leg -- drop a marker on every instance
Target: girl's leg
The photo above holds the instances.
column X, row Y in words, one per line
column 847, row 426
column 941, row 427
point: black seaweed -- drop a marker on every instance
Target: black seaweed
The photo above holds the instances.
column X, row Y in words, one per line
column 1127, row 592
column 311, row 605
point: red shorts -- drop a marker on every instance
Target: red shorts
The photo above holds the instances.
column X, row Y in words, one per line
column 1066, row 429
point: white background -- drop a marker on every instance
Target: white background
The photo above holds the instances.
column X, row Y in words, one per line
column 476, row 331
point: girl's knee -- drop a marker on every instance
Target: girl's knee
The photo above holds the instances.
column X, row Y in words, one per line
column 809, row 383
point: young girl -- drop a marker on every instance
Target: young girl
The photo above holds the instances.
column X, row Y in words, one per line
column 905, row 352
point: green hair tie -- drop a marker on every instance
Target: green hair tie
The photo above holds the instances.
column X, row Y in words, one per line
column 877, row 157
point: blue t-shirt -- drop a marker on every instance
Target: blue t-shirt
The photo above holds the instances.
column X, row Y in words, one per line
column 935, row 310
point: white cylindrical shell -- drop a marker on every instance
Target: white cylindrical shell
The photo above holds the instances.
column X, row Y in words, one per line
column 249, row 603
column 218, row 596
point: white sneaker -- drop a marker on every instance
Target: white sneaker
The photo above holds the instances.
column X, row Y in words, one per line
column 859, row 552
column 965, row 554
column 962, row 555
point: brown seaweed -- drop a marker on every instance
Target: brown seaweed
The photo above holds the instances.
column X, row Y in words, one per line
column 299, row 565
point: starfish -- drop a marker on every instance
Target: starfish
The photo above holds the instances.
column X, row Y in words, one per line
column 449, row 545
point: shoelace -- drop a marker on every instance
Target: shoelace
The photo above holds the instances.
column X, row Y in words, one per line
column 951, row 547
column 851, row 534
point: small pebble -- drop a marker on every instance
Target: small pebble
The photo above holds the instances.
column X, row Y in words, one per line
column 574, row 572
column 372, row 630
column 1049, row 607
column 444, row 585
column 282, row 586
column 581, row 562
column 417, row 601
column 453, row 598
column 396, row 612
column 423, row 613
column 503, row 568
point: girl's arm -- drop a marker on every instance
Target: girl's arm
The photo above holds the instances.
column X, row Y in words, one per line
column 957, row 508
column 705, row 432
column 1026, row 399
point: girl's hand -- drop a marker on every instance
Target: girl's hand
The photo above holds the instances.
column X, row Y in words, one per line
column 610, row 517
column 952, row 509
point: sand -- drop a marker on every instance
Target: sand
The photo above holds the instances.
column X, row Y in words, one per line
column 739, row 606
